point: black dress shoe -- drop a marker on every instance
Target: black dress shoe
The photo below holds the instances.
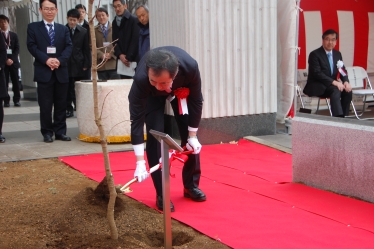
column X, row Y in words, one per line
column 6, row 105
column 69, row 114
column 48, row 138
column 18, row 104
column 195, row 194
column 62, row 137
column 160, row 204
column 2, row 139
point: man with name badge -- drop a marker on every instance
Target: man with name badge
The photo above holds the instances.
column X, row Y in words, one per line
column 12, row 63
column 51, row 46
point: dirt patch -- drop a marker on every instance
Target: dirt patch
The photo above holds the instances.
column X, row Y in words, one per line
column 45, row 204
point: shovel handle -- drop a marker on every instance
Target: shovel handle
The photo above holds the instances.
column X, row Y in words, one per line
column 126, row 187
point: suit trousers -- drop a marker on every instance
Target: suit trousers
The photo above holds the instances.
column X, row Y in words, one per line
column 154, row 120
column 340, row 101
column 52, row 95
column 1, row 116
column 71, row 95
column 13, row 73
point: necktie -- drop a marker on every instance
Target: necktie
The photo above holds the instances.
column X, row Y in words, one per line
column 103, row 28
column 329, row 55
column 51, row 34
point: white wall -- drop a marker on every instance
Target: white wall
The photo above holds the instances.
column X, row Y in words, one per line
column 235, row 44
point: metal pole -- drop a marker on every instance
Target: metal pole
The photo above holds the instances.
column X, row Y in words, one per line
column 166, row 194
column 296, row 55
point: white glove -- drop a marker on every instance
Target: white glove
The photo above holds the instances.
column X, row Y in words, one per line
column 141, row 171
column 193, row 145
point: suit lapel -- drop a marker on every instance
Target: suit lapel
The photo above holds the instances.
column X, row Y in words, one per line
column 43, row 31
column 325, row 58
column 336, row 56
column 59, row 32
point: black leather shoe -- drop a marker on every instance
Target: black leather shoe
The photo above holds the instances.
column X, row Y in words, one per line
column 160, row 204
column 195, row 194
column 17, row 104
column 69, row 114
column 6, row 105
column 48, row 138
column 62, row 137
column 2, row 139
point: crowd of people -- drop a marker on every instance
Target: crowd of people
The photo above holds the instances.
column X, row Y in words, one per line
column 63, row 56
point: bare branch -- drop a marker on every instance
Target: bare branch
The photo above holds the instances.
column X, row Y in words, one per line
column 109, row 44
column 102, row 107
column 117, row 124
column 102, row 63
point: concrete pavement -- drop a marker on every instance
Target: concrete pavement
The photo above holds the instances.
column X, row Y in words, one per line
column 21, row 128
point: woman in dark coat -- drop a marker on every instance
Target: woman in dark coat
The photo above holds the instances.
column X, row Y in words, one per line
column 3, row 90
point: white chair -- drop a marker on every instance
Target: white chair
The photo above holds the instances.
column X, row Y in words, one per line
column 357, row 77
column 302, row 78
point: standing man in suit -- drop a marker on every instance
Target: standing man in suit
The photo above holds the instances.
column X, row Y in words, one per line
column 322, row 76
column 49, row 43
column 142, row 13
column 80, row 59
column 167, row 73
column 3, row 88
column 126, row 30
column 12, row 63
column 103, row 33
column 83, row 23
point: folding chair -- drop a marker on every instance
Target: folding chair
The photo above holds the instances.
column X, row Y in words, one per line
column 357, row 76
column 302, row 77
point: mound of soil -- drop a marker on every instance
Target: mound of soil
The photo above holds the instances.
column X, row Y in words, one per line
column 45, row 204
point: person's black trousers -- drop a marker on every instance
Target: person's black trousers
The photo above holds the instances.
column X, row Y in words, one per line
column 340, row 101
column 1, row 116
column 70, row 99
column 154, row 120
column 12, row 71
column 52, row 95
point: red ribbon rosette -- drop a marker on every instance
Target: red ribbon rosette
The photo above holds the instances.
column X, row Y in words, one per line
column 182, row 94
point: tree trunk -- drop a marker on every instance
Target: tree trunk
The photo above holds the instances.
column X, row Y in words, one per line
column 103, row 142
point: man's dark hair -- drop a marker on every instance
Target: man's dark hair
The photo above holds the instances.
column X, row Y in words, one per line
column 52, row 1
column 160, row 60
column 74, row 13
column 122, row 1
column 80, row 6
column 101, row 9
column 330, row 32
column 4, row 17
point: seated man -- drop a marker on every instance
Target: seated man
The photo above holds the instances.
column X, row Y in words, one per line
column 323, row 74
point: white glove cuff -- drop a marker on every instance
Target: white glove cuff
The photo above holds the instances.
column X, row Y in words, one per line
column 138, row 149
column 192, row 129
column 141, row 162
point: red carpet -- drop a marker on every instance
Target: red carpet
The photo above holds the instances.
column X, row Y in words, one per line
column 251, row 202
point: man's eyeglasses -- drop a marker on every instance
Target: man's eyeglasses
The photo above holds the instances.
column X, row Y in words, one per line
column 330, row 40
column 49, row 9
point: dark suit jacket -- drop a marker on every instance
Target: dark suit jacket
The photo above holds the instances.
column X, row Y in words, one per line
column 127, row 35
column 37, row 43
column 188, row 76
column 3, row 58
column 81, row 55
column 14, row 46
column 319, row 72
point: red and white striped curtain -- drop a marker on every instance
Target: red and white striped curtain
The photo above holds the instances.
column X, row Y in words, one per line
column 352, row 19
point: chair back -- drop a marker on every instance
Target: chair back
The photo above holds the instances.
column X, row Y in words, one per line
column 357, row 77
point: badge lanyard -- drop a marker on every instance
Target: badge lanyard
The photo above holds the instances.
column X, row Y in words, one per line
column 7, row 43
